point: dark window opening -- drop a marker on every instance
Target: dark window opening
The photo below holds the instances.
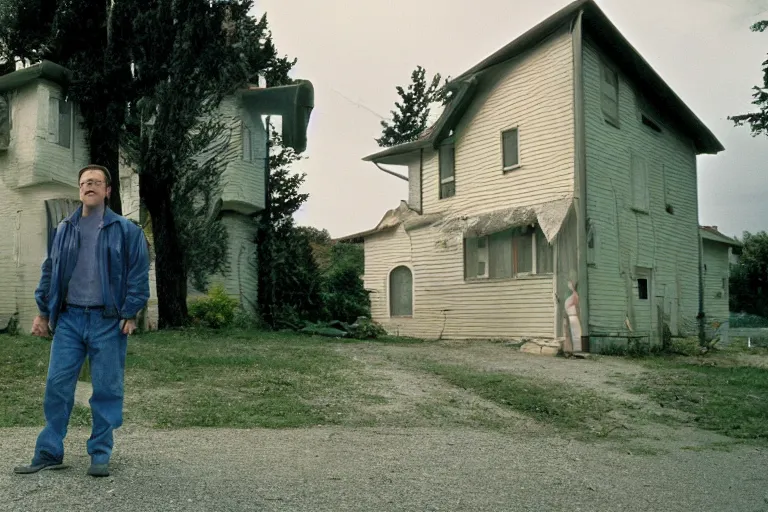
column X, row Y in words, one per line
column 642, row 289
column 647, row 121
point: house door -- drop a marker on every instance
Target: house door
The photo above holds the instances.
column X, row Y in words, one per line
column 642, row 303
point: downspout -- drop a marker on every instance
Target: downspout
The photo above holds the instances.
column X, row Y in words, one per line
column 701, row 315
column 421, row 180
column 580, row 178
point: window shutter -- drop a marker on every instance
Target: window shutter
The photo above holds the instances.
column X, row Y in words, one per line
column 510, row 146
column 65, row 124
column 53, row 120
column 639, row 170
column 500, row 255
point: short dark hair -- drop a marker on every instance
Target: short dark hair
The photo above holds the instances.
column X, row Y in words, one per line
column 104, row 170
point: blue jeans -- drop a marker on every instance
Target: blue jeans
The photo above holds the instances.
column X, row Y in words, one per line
column 82, row 332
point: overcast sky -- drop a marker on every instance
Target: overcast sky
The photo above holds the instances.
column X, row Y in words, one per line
column 356, row 52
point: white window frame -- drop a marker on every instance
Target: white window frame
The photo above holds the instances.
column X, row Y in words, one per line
column 613, row 93
column 484, row 257
column 507, row 168
column 54, row 128
column 389, row 290
column 450, row 144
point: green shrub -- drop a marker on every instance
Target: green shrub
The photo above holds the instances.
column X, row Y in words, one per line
column 365, row 329
column 216, row 310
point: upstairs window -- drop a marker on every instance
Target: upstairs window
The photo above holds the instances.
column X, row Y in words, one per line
column 510, row 147
column 639, row 172
column 447, row 158
column 610, row 94
column 60, row 122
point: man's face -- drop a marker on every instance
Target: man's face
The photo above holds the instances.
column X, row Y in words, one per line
column 93, row 188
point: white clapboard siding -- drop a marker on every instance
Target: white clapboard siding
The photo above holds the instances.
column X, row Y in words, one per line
column 533, row 92
column 445, row 305
column 626, row 239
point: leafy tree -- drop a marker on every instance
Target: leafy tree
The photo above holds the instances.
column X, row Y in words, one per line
column 187, row 57
column 410, row 118
column 757, row 120
column 92, row 39
column 748, row 284
column 344, row 295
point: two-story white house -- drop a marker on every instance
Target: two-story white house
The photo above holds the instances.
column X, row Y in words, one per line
column 553, row 201
column 43, row 145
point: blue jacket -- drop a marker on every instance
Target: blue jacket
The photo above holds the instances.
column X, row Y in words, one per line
column 123, row 259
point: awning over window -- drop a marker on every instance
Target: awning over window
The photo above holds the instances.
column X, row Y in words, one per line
column 549, row 216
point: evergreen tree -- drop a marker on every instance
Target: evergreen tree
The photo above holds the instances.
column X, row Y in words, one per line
column 410, row 118
column 757, row 120
column 187, row 57
column 289, row 280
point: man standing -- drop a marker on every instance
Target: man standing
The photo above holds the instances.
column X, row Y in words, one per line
column 93, row 284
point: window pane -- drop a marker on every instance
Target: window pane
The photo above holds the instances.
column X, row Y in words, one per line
column 447, row 161
column 247, row 152
column 447, row 190
column 401, row 292
column 610, row 108
column 544, row 253
column 524, row 253
column 470, row 258
column 500, row 255
column 65, row 123
column 510, row 148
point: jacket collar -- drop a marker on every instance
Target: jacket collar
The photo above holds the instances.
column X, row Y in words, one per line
column 109, row 216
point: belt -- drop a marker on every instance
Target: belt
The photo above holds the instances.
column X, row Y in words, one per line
column 68, row 305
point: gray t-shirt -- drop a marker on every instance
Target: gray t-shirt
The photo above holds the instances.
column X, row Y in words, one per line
column 85, row 285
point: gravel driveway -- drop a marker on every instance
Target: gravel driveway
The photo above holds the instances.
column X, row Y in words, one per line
column 334, row 469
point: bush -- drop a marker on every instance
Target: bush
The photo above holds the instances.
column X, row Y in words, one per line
column 365, row 329
column 216, row 310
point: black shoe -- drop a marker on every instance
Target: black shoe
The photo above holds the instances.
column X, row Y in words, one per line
column 34, row 468
column 99, row 470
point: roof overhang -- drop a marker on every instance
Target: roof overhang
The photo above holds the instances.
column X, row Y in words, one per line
column 462, row 93
column 715, row 236
column 293, row 102
column 45, row 70
column 611, row 41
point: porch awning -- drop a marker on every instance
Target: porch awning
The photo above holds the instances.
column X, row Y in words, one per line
column 549, row 216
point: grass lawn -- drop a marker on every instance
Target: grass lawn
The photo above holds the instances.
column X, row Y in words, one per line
column 724, row 392
column 204, row 379
column 248, row 379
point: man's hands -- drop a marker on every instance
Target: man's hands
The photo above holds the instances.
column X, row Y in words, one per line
column 128, row 326
column 40, row 326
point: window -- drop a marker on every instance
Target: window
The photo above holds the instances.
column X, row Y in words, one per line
column 650, row 123
column 60, row 122
column 401, row 292
column 642, row 289
column 447, row 170
column 610, row 95
column 639, row 172
column 507, row 254
column 247, row 143
column 544, row 254
column 510, row 147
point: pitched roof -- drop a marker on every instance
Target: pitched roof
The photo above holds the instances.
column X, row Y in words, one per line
column 711, row 233
column 615, row 45
column 42, row 70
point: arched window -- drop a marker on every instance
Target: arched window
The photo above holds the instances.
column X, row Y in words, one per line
column 401, row 292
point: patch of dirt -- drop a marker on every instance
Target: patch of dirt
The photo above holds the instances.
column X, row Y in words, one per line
column 411, row 398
